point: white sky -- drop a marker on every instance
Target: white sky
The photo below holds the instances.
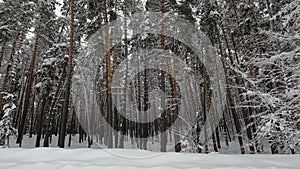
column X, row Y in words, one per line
column 57, row 8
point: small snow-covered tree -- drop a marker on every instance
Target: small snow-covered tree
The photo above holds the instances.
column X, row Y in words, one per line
column 6, row 127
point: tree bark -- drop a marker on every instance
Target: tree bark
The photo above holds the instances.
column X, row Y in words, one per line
column 230, row 100
column 2, row 53
column 124, row 108
column 32, row 116
column 163, row 134
column 72, row 126
column 241, row 32
column 63, row 123
column 21, row 128
column 108, row 79
column 41, row 116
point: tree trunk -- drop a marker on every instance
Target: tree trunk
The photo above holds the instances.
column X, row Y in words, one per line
column 63, row 123
column 175, row 102
column 17, row 114
column 32, row 116
column 230, row 100
column 123, row 120
column 21, row 128
column 108, row 80
column 2, row 53
column 52, row 105
column 41, row 116
column 72, row 126
column 241, row 32
column 145, row 126
column 163, row 134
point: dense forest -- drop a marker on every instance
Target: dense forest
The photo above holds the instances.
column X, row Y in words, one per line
column 42, row 42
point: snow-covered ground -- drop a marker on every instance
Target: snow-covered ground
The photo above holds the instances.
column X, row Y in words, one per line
column 79, row 157
column 51, row 158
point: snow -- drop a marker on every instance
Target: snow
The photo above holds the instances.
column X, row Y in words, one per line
column 8, row 108
column 51, row 158
column 78, row 157
column 30, row 34
column 49, row 61
column 179, row 2
column 38, row 85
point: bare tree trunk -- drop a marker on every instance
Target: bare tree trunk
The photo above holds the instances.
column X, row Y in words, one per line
column 41, row 116
column 205, row 110
column 17, row 114
column 163, row 126
column 123, row 120
column 241, row 32
column 224, row 33
column 138, row 130
column 218, row 137
column 231, row 101
column 2, row 53
column 63, row 123
column 145, row 127
column 32, row 116
column 108, row 79
column 71, row 127
column 52, row 105
column 80, row 134
column 214, row 142
column 226, row 130
column 21, row 128
column 175, row 102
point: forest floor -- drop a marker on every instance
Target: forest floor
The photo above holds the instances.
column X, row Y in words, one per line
column 55, row 158
column 79, row 157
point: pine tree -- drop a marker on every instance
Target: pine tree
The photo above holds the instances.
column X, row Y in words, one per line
column 6, row 127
